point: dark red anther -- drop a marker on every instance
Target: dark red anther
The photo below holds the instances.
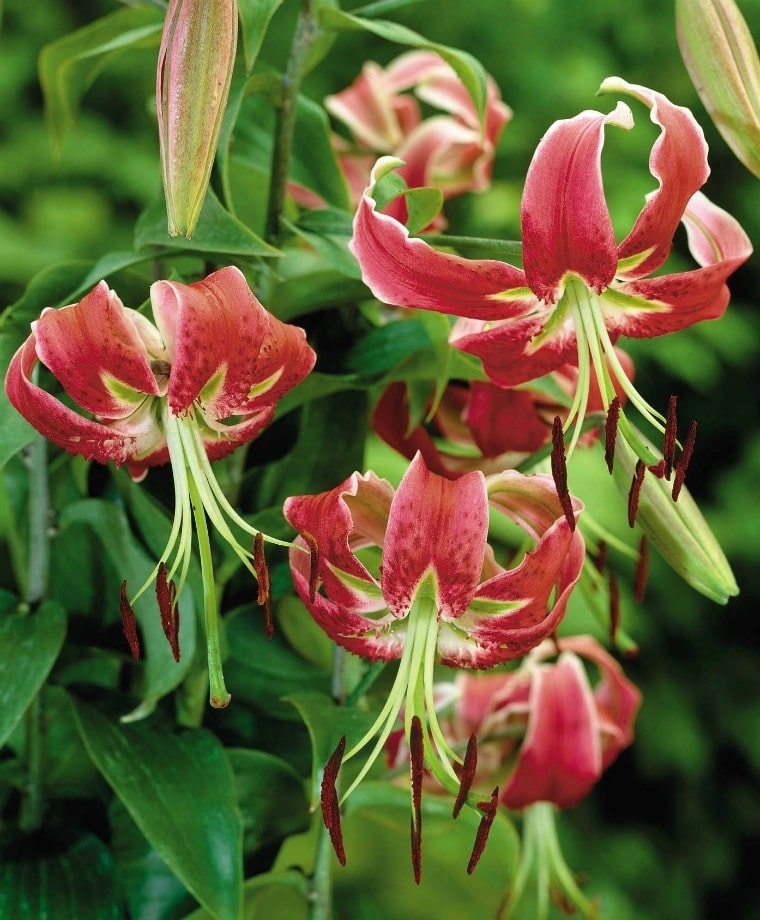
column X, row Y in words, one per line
column 417, row 759
column 635, row 491
column 484, row 828
column 559, row 472
column 129, row 623
column 610, row 432
column 261, row 568
column 669, row 439
column 600, row 560
column 614, row 606
column 467, row 776
column 642, row 570
column 311, row 542
column 684, row 460
column 166, row 595
column 329, row 800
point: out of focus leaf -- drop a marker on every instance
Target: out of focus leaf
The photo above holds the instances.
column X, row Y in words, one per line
column 255, row 16
column 272, row 896
column 180, row 791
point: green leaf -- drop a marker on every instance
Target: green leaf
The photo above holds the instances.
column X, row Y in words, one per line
column 69, row 65
column 272, row 896
column 303, row 633
column 218, row 231
column 307, row 284
column 469, row 70
column 376, row 833
column 180, row 791
column 314, row 164
column 79, row 883
column 423, row 206
column 327, row 723
column 315, row 386
column 270, row 796
column 333, row 250
column 159, row 673
column 29, row 646
column 255, row 16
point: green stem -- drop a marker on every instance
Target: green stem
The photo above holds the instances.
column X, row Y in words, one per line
column 305, row 34
column 38, row 568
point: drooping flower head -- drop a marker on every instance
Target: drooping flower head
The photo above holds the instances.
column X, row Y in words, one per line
column 192, row 388
column 434, row 592
column 579, row 290
column 449, row 150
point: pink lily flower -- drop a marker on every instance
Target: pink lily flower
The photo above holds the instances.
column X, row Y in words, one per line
column 481, row 426
column 201, row 382
column 579, row 290
column 439, row 595
column 449, row 151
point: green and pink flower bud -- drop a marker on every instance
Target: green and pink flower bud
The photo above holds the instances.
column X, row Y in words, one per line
column 721, row 57
column 195, row 64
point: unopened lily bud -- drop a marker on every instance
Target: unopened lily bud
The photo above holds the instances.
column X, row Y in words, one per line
column 195, row 66
column 722, row 60
column 676, row 528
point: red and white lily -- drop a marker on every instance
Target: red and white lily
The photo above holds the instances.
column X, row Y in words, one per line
column 192, row 388
column 579, row 289
column 439, row 595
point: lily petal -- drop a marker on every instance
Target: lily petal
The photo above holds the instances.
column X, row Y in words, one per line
column 96, row 351
column 566, row 225
column 409, row 273
column 213, row 329
column 435, row 525
column 284, row 360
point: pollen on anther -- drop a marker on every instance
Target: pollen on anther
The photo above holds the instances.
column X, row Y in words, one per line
column 417, row 756
column 129, row 623
column 614, row 606
column 684, row 460
column 635, row 491
column 166, row 595
column 610, row 432
column 264, row 598
column 467, row 775
column 484, row 828
column 669, row 439
column 559, row 472
column 329, row 800
column 311, row 542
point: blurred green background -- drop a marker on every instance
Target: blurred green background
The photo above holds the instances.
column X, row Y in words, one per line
column 668, row 834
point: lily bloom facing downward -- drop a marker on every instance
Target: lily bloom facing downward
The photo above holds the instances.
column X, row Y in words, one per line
column 439, row 596
column 579, row 289
column 201, row 382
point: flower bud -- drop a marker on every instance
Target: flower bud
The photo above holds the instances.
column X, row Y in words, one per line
column 676, row 528
column 195, row 64
column 722, row 60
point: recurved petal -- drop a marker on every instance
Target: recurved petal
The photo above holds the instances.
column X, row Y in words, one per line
column 213, row 330
column 565, row 221
column 435, row 526
column 366, row 108
column 409, row 273
column 529, row 500
column 136, row 435
column 96, row 350
column 560, row 758
column 679, row 163
column 221, row 439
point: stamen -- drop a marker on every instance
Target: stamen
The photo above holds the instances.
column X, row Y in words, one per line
column 614, row 606
column 684, row 460
column 669, row 440
column 468, row 775
column 559, row 472
column 610, row 432
column 417, row 757
column 129, row 623
column 600, row 560
column 635, row 491
column 329, row 800
column 311, row 542
column 484, row 828
column 642, row 570
column 166, row 595
column 264, row 598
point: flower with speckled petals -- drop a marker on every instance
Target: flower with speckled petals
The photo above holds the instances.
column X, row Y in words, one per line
column 579, row 290
column 437, row 592
column 191, row 389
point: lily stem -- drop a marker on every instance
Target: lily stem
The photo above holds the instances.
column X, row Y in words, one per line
column 38, row 567
column 305, row 34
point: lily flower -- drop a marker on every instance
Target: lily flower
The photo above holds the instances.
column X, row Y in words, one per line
column 449, row 149
column 435, row 593
column 579, row 289
column 191, row 389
